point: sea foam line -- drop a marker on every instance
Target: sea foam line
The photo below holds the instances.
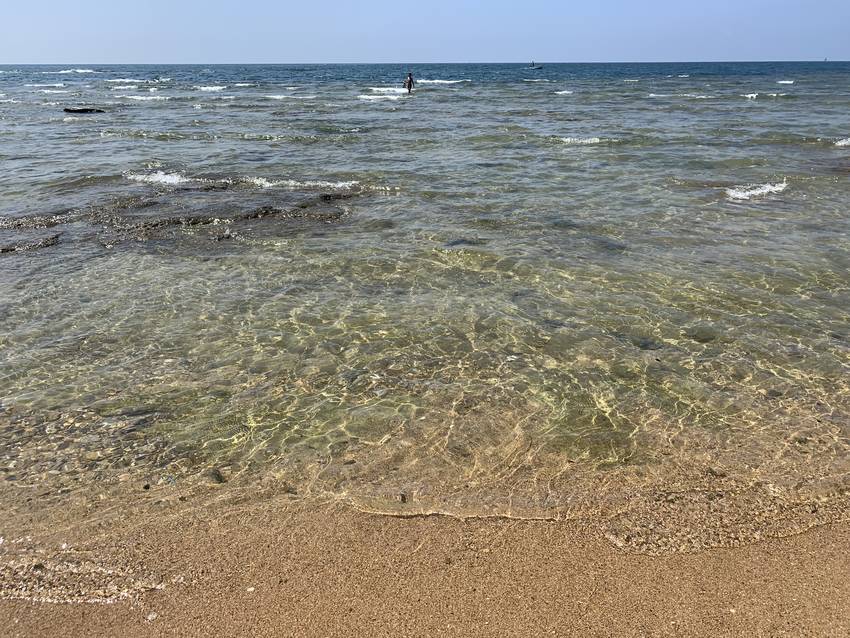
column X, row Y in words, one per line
column 175, row 179
column 751, row 191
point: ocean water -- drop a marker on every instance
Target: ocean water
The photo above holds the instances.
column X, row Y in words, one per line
column 610, row 292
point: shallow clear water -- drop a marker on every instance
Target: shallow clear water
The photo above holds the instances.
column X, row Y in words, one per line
column 512, row 292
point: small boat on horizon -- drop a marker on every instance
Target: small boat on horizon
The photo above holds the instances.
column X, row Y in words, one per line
column 535, row 67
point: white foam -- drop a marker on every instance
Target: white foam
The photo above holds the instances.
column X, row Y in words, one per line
column 123, row 87
column 693, row 96
column 144, row 98
column 379, row 97
column 53, row 91
column 174, row 179
column 10, row 101
column 750, row 96
column 581, row 141
column 209, row 88
column 291, row 97
column 534, row 80
column 441, row 81
column 130, row 81
column 66, row 71
column 684, row 76
column 71, row 119
column 243, row 84
column 844, row 142
column 159, row 177
column 785, row 82
column 631, row 80
column 750, row 191
column 387, row 89
column 57, row 85
column 563, row 92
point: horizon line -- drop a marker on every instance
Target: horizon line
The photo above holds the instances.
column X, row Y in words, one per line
column 730, row 61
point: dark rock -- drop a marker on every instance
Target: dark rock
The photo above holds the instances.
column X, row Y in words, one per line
column 216, row 476
column 83, row 110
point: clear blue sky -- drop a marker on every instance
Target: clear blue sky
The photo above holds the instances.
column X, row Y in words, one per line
column 194, row 31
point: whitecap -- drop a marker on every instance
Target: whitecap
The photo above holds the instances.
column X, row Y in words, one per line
column 159, row 177
column 580, row 141
column 684, row 76
column 243, row 84
column 750, row 96
column 441, row 81
column 57, row 85
column 631, row 80
column 123, row 87
column 53, row 91
column 750, row 191
column 380, row 97
column 66, row 71
column 535, row 80
column 209, row 88
column 10, row 101
column 785, row 82
column 130, row 81
column 291, row 97
column 71, row 119
column 387, row 89
column 844, row 142
column 144, row 98
column 563, row 92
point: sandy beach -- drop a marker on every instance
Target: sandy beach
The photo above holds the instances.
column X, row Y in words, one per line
column 284, row 566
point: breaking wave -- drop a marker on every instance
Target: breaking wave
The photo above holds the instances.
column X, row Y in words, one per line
column 754, row 191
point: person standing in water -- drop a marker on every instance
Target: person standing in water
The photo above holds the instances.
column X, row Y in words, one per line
column 409, row 83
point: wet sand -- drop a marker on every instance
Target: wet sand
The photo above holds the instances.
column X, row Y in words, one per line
column 289, row 567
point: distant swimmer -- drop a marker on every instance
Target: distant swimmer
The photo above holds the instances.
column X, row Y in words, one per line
column 409, row 83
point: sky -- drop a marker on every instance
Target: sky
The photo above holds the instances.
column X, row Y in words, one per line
column 282, row 31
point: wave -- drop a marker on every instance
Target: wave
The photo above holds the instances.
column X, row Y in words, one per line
column 380, row 97
column 67, row 71
column 123, row 87
column 441, row 81
column 53, row 91
column 291, row 97
column 750, row 191
column 685, row 75
column 563, row 92
column 159, row 177
column 56, row 85
column 244, row 84
column 692, row 96
column 175, row 179
column 209, row 88
column 10, row 101
column 583, row 141
column 144, row 98
column 387, row 89
column 535, row 80
column 631, row 80
column 751, row 96
column 785, row 82
column 844, row 142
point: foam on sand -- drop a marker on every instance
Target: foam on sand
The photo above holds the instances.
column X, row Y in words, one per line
column 754, row 191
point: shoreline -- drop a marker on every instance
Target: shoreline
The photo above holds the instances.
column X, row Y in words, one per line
column 284, row 566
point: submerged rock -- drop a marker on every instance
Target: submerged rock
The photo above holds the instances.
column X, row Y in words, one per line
column 83, row 110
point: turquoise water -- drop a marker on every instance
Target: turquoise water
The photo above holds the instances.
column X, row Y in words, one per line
column 513, row 292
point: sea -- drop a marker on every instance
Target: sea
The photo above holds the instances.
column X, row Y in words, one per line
column 609, row 293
